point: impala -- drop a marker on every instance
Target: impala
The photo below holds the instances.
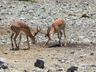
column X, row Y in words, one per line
column 17, row 27
column 58, row 27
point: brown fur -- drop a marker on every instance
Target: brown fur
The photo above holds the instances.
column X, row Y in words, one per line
column 17, row 27
column 58, row 27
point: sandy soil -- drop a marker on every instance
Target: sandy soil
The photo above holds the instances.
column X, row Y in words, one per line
column 72, row 55
column 52, row 54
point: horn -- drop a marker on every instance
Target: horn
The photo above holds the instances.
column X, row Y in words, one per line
column 37, row 30
column 48, row 29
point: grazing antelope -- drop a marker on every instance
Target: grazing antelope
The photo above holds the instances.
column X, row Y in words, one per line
column 58, row 27
column 17, row 27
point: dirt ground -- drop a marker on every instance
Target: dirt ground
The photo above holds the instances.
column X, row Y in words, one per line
column 73, row 55
column 56, row 58
column 53, row 55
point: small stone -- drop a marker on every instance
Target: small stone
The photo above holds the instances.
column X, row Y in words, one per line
column 5, row 53
column 60, row 69
column 62, row 61
column 3, row 64
column 1, row 6
column 49, row 71
column 25, row 6
column 91, row 53
column 81, row 56
column 25, row 71
column 39, row 63
column 0, row 19
column 93, row 65
column 85, row 16
column 72, row 69
column 72, row 52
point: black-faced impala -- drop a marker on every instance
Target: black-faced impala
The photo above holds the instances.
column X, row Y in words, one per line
column 19, row 26
column 58, row 27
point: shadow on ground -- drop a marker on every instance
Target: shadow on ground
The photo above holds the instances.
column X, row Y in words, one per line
column 72, row 45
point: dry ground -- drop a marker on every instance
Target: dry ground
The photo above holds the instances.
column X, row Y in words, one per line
column 54, row 56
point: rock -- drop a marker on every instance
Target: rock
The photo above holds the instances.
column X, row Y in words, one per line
column 85, row 16
column 60, row 69
column 81, row 56
column 3, row 64
column 2, row 60
column 72, row 69
column 92, row 54
column 49, row 71
column 25, row 71
column 40, row 70
column 72, row 52
column 93, row 65
column 22, row 18
column 86, row 40
column 0, row 19
column 62, row 61
column 39, row 63
column 1, row 6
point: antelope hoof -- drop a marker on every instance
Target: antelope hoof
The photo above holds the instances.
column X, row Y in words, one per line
column 65, row 44
column 12, row 49
column 16, row 49
column 61, row 45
